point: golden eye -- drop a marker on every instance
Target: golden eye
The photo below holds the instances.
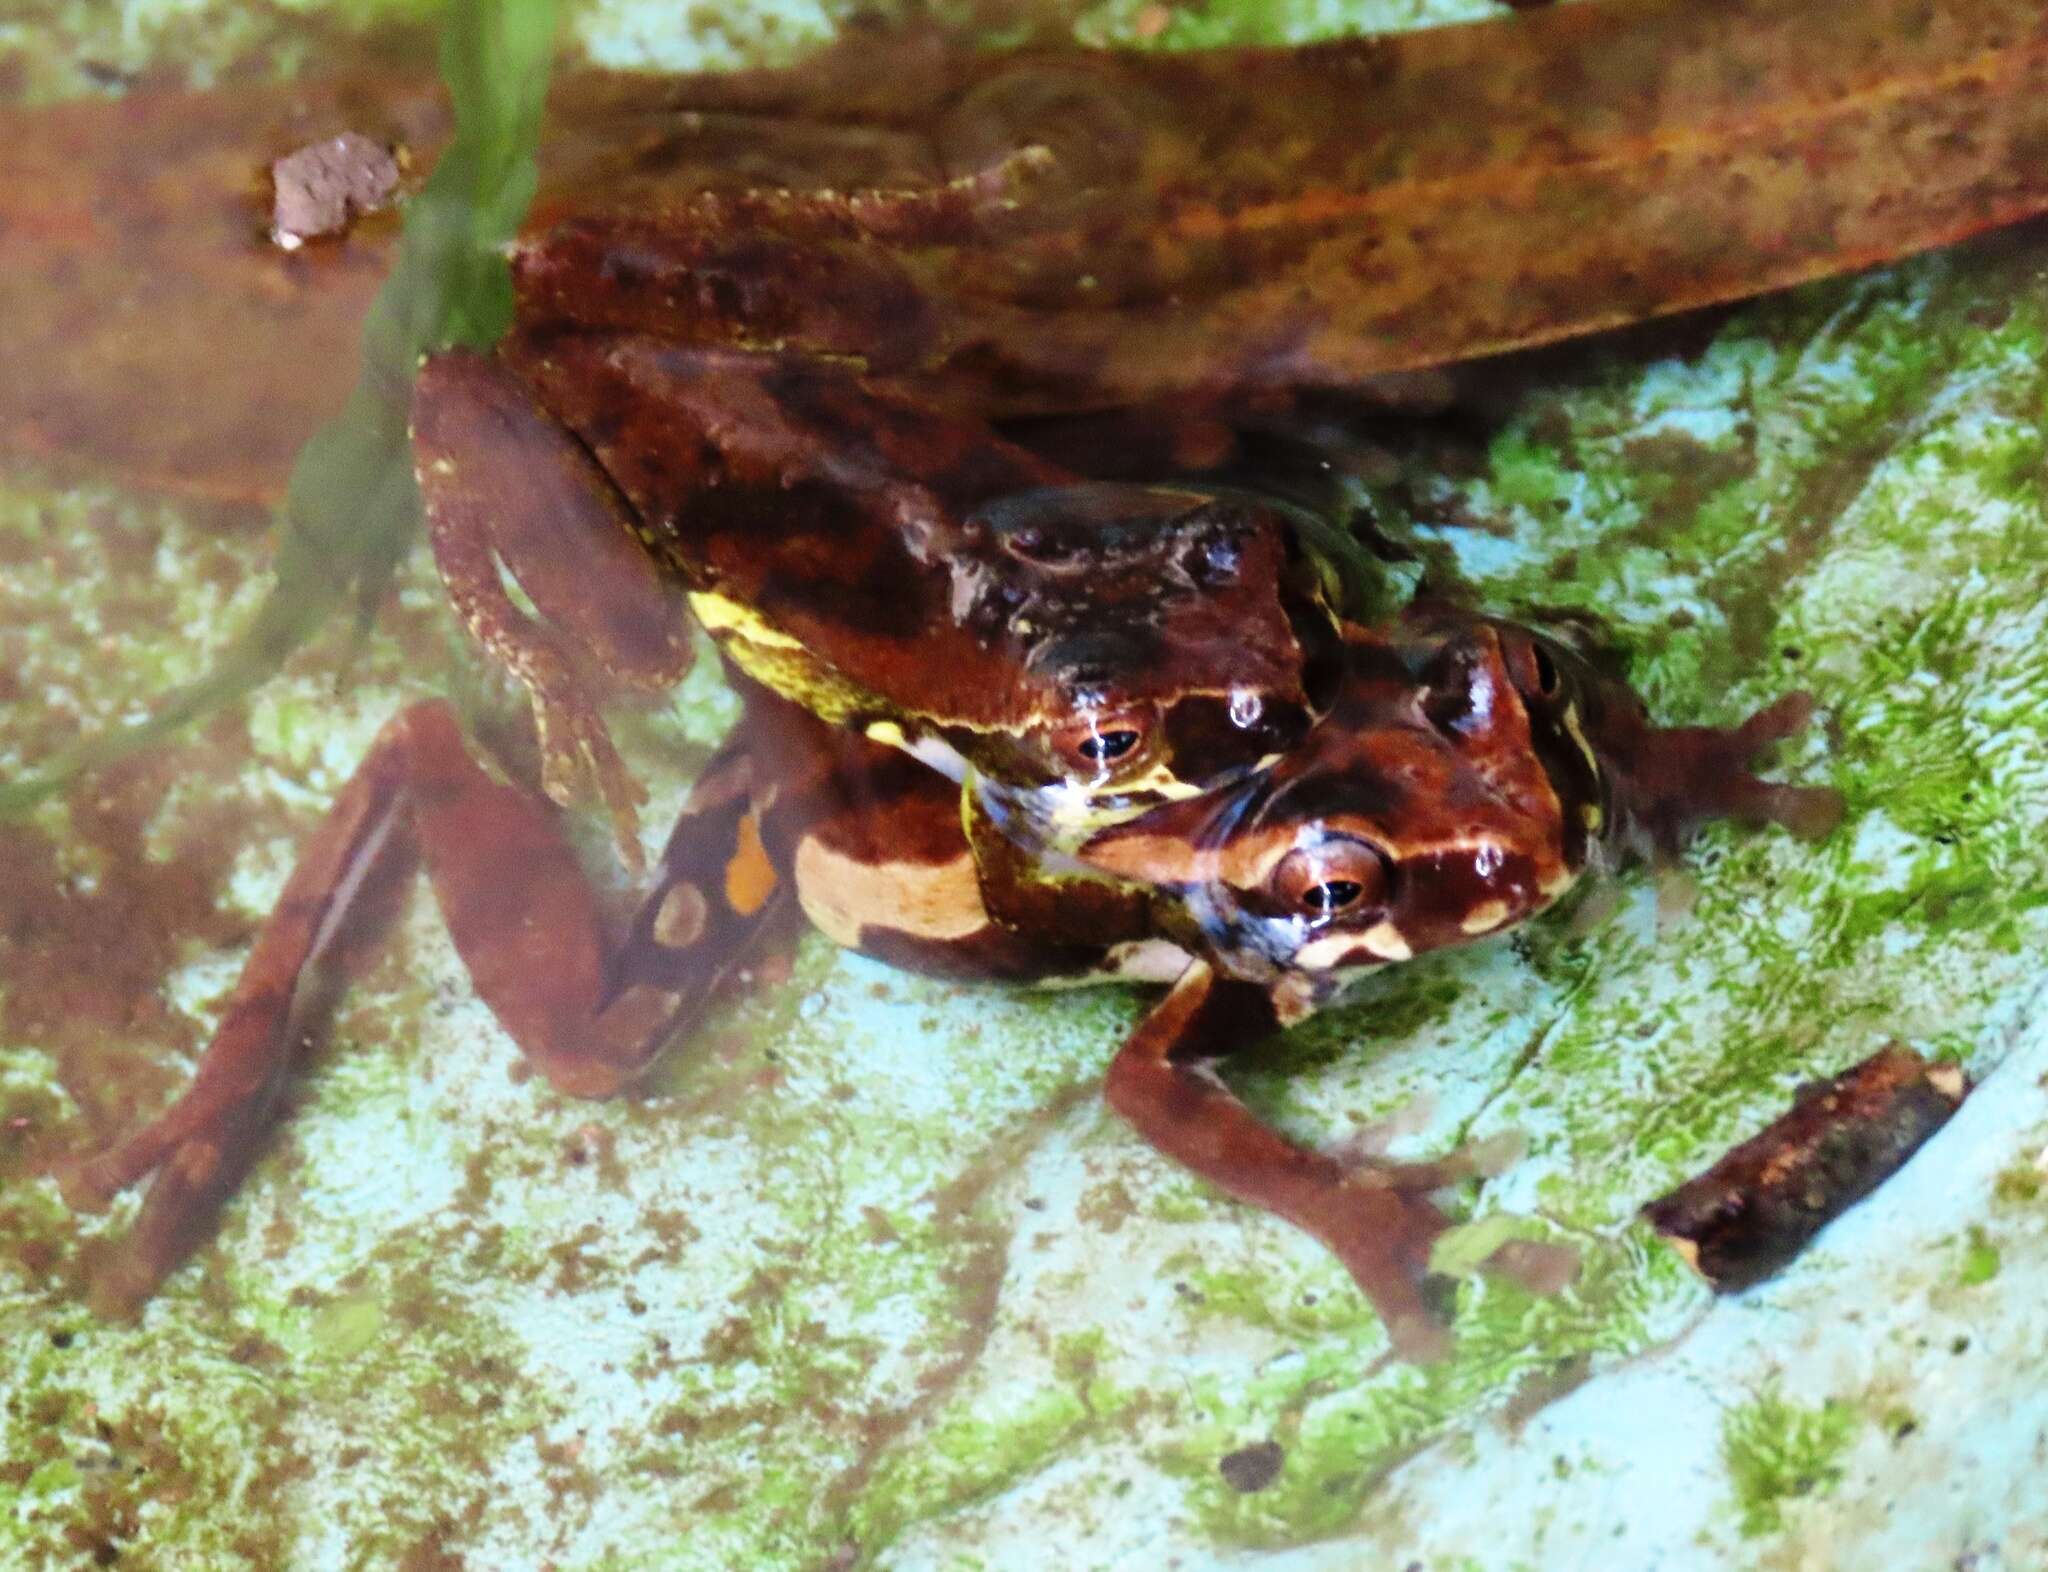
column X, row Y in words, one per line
column 1331, row 878
column 1097, row 744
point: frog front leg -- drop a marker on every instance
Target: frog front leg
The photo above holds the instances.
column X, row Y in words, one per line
column 1377, row 1219
column 509, row 492
column 589, row 1015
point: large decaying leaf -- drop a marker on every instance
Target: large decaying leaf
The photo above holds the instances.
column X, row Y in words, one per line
column 1603, row 163
column 869, row 1279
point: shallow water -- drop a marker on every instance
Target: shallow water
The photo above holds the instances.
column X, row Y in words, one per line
column 867, row 1277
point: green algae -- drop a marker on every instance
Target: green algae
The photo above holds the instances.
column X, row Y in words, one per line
column 1778, row 1451
column 1981, row 1259
column 1225, row 22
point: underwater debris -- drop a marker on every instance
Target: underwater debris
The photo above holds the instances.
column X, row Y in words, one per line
column 1746, row 1217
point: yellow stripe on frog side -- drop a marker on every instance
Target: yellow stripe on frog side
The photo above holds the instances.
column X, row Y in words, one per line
column 721, row 615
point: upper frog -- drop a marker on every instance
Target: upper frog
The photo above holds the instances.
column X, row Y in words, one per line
column 1088, row 648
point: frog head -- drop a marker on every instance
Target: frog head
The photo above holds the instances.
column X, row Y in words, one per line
column 1468, row 772
column 1162, row 643
column 1452, row 792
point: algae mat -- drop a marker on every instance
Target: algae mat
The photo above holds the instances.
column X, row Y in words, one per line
column 867, row 1278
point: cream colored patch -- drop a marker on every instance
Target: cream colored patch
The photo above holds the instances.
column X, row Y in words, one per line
column 1294, row 999
column 679, row 923
column 1249, row 859
column 1578, row 735
column 1385, row 941
column 1159, row 778
column 1154, row 859
column 1329, row 952
column 843, row 895
column 1485, row 917
column 931, row 752
column 1146, row 960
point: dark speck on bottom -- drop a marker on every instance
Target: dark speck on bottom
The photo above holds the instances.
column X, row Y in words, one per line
column 1252, row 1467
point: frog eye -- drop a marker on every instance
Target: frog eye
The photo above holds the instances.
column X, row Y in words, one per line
column 1107, row 746
column 1098, row 744
column 1331, row 878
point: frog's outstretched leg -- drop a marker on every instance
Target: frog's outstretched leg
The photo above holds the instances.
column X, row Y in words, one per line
column 508, row 491
column 528, row 928
column 1379, row 1224
column 1675, row 778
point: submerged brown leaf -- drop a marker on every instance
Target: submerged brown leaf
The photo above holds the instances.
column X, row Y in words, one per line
column 1309, row 216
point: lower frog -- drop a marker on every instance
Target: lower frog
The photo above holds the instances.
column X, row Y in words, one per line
column 1469, row 771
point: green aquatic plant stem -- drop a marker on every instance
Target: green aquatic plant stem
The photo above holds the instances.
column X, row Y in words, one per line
column 351, row 509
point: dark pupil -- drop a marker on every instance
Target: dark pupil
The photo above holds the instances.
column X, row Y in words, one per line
column 1332, row 896
column 1108, row 745
column 1546, row 672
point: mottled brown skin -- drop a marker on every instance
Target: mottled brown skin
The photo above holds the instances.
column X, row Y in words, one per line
column 1279, row 218
column 1466, row 775
column 1045, row 230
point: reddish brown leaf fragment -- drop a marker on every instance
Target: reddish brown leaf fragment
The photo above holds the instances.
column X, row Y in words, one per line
column 1755, row 1209
column 1064, row 228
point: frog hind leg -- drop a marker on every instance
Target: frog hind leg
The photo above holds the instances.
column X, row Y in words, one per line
column 526, row 924
column 507, row 490
column 718, row 893
column 1377, row 1218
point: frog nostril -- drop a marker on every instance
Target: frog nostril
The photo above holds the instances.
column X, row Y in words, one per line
column 1448, row 708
